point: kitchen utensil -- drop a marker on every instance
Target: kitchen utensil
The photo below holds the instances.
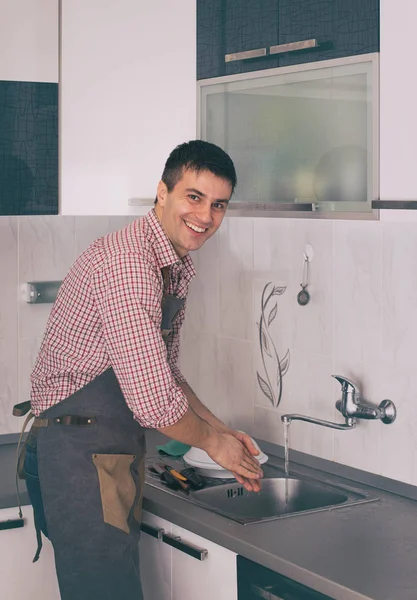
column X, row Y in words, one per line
column 193, row 478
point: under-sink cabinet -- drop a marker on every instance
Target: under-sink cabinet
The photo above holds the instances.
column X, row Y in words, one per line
column 177, row 564
column 20, row 577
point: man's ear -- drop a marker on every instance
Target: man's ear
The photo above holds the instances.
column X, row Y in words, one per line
column 161, row 193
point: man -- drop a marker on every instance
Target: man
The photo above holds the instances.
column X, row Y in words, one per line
column 104, row 373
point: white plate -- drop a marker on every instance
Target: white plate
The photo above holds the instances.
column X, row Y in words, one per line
column 195, row 457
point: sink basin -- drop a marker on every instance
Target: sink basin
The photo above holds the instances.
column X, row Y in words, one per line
column 279, row 497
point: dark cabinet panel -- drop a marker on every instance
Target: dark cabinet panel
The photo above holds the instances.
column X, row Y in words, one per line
column 232, row 26
column 210, row 38
column 249, row 26
column 28, row 148
column 342, row 28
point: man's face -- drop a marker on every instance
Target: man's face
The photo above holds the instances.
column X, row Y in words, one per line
column 193, row 210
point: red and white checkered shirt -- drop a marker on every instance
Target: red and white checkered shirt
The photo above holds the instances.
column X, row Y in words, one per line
column 108, row 314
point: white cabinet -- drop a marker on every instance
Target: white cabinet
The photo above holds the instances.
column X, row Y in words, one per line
column 128, row 97
column 214, row 578
column 20, row 577
column 155, row 560
column 171, row 569
column 398, row 117
column 29, row 40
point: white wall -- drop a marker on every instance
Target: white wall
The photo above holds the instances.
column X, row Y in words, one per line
column 128, row 97
column 34, row 249
column 29, row 40
column 360, row 323
column 398, row 114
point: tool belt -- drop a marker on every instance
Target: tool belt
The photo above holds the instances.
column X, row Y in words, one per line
column 22, row 409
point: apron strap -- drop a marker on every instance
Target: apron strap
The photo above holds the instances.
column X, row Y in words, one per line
column 38, row 539
column 19, row 457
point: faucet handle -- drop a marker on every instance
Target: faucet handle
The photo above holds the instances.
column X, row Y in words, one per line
column 345, row 383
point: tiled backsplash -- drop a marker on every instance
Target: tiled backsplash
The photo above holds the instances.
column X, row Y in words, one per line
column 360, row 323
column 34, row 249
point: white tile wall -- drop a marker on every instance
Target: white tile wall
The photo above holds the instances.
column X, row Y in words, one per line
column 360, row 323
column 34, row 249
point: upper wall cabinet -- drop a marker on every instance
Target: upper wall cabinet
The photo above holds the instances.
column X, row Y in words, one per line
column 303, row 138
column 238, row 36
column 340, row 28
column 398, row 117
column 128, row 97
column 29, row 107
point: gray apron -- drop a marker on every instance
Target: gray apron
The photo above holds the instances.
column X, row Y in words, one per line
column 84, row 471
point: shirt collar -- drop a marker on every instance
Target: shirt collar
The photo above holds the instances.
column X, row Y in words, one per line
column 164, row 250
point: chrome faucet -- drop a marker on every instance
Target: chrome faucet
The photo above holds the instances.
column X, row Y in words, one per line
column 351, row 408
column 350, row 404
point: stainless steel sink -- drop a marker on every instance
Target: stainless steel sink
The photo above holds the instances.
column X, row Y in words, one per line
column 279, row 497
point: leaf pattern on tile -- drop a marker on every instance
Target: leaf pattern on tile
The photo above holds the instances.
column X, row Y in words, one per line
column 270, row 390
column 265, row 388
column 272, row 314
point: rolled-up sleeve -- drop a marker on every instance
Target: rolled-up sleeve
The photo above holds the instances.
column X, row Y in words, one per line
column 129, row 300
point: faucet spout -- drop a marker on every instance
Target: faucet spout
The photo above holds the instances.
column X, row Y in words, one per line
column 348, row 424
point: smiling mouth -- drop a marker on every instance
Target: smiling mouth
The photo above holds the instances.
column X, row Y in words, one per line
column 195, row 227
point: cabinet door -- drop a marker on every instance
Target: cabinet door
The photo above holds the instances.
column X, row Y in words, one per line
column 398, row 121
column 341, row 27
column 155, row 560
column 309, row 135
column 29, row 107
column 212, row 578
column 233, row 26
column 20, row 577
column 117, row 92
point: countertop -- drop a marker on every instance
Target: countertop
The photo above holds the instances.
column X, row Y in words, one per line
column 362, row 552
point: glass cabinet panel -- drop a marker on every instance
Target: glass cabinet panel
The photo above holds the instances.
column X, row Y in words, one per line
column 304, row 134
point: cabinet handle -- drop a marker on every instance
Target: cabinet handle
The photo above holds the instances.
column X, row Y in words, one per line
column 272, row 206
column 264, row 593
column 152, row 531
column 292, row 46
column 12, row 524
column 176, row 542
column 245, row 55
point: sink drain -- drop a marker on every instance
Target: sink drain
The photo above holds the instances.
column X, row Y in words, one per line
column 233, row 492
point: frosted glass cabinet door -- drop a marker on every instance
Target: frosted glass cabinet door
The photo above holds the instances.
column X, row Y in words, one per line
column 305, row 134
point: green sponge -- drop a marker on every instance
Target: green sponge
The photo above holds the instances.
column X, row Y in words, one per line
column 174, row 448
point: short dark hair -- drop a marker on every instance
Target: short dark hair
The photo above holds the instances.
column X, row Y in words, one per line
column 198, row 156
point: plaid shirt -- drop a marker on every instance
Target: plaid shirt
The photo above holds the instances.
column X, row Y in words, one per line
column 108, row 314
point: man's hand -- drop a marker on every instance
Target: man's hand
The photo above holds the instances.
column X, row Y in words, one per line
column 235, row 453
column 252, row 485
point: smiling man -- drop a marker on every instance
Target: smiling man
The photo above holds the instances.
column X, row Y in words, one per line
column 107, row 369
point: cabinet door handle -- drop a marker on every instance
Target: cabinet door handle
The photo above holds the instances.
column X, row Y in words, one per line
column 176, row 542
column 245, row 55
column 152, row 531
column 292, row 46
column 264, row 593
column 12, row 524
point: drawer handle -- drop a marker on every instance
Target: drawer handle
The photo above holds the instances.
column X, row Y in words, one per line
column 245, row 55
column 12, row 524
column 152, row 531
column 293, row 46
column 176, row 542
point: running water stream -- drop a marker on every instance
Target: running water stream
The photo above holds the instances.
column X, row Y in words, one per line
column 287, row 460
column 287, row 448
